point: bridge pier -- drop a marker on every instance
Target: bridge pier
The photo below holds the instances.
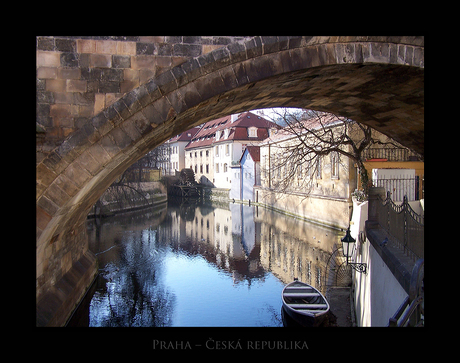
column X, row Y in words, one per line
column 58, row 303
column 68, row 272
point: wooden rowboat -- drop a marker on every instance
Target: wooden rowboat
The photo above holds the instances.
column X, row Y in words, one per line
column 305, row 304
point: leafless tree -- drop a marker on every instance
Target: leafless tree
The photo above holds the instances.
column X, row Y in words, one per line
column 311, row 136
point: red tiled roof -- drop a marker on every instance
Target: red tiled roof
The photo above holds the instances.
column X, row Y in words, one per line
column 254, row 151
column 185, row 135
column 238, row 130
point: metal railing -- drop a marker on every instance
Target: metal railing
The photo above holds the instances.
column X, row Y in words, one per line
column 403, row 224
column 411, row 312
column 413, row 188
column 391, row 154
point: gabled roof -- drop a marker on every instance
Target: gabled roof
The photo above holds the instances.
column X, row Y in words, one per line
column 254, row 151
column 185, row 136
column 237, row 130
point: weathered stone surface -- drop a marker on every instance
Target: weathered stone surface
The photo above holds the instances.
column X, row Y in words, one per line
column 374, row 80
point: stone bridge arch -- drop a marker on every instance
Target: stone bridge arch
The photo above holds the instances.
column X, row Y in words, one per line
column 378, row 81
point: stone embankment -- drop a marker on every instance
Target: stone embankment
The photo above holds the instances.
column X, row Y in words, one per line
column 128, row 197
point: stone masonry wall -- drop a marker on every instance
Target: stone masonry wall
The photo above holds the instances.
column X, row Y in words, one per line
column 79, row 76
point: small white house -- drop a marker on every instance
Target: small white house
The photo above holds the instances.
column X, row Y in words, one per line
column 250, row 172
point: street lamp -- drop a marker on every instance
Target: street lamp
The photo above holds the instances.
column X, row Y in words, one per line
column 348, row 243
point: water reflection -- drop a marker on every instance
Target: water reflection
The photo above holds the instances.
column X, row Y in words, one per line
column 202, row 265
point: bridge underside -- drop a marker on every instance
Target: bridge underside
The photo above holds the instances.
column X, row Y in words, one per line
column 374, row 87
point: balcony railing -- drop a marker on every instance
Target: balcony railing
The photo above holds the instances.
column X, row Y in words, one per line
column 390, row 154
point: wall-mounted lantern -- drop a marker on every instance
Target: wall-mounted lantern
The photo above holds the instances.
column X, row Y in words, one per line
column 348, row 243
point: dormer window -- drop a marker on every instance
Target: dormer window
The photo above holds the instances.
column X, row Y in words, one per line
column 252, row 132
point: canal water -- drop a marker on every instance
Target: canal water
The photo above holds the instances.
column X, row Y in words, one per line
column 200, row 265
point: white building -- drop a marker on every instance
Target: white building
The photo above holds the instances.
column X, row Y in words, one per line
column 176, row 148
column 220, row 144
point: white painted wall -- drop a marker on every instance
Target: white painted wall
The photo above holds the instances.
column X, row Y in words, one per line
column 377, row 294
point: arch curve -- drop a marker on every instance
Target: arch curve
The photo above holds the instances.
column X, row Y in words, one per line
column 374, row 80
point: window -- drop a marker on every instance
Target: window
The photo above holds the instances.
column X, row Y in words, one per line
column 334, row 165
column 201, row 153
column 217, row 167
column 201, row 168
column 227, row 149
column 207, row 168
column 225, row 168
column 318, row 167
column 207, row 153
column 217, row 151
column 252, row 132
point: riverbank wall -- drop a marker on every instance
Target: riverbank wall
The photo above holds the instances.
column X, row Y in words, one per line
column 129, row 197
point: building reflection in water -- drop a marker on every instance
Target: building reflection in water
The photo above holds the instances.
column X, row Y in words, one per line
column 249, row 241
column 246, row 243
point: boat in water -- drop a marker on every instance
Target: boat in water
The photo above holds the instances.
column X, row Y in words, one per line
column 304, row 304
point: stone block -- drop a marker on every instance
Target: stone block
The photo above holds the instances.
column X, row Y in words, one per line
column 187, row 50
column 130, row 128
column 127, row 86
column 63, row 97
column 121, row 139
column 121, row 61
column 130, row 74
column 106, row 47
column 44, row 174
column 47, row 73
column 108, row 87
column 69, row 73
column 47, row 205
column 99, row 102
column 143, row 61
column 45, row 43
column 66, row 45
column 56, row 85
column 66, row 185
column 145, row 48
column 152, row 39
column 109, row 146
column 152, row 115
column 112, row 74
column 98, row 153
column 74, row 85
column 77, row 174
column 89, row 163
column 60, row 110
column 42, row 218
column 86, row 46
column 146, row 74
column 84, row 98
column 56, row 194
column 190, row 95
column 48, row 59
column 70, row 60
column 166, row 82
column 100, row 60
column 126, row 48
column 164, row 49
